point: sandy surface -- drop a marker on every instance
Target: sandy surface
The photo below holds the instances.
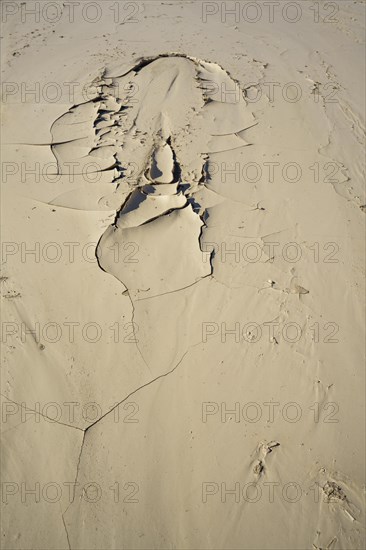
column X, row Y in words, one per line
column 183, row 275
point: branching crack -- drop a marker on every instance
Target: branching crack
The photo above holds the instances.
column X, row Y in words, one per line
column 106, row 414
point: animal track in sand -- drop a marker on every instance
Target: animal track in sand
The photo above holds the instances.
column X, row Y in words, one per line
column 162, row 118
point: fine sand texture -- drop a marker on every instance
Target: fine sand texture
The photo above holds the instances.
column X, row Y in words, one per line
column 182, row 275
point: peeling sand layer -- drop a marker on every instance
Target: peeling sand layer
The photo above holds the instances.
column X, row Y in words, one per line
column 183, row 275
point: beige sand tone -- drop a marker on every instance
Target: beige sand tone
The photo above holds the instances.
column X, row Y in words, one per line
column 183, row 350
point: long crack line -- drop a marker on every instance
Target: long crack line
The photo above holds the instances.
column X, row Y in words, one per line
column 52, row 420
column 141, row 387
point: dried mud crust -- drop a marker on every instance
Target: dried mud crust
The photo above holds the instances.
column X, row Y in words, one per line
column 159, row 154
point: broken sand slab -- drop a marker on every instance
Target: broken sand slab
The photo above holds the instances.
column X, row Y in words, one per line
column 169, row 147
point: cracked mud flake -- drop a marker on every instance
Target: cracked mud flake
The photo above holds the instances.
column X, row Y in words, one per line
column 168, row 253
column 162, row 165
column 143, row 206
column 169, row 147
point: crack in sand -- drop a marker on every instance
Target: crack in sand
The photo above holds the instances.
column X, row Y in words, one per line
column 66, row 531
column 143, row 386
column 73, row 495
column 52, row 420
column 104, row 416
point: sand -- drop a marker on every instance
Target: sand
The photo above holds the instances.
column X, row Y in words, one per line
column 182, row 275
